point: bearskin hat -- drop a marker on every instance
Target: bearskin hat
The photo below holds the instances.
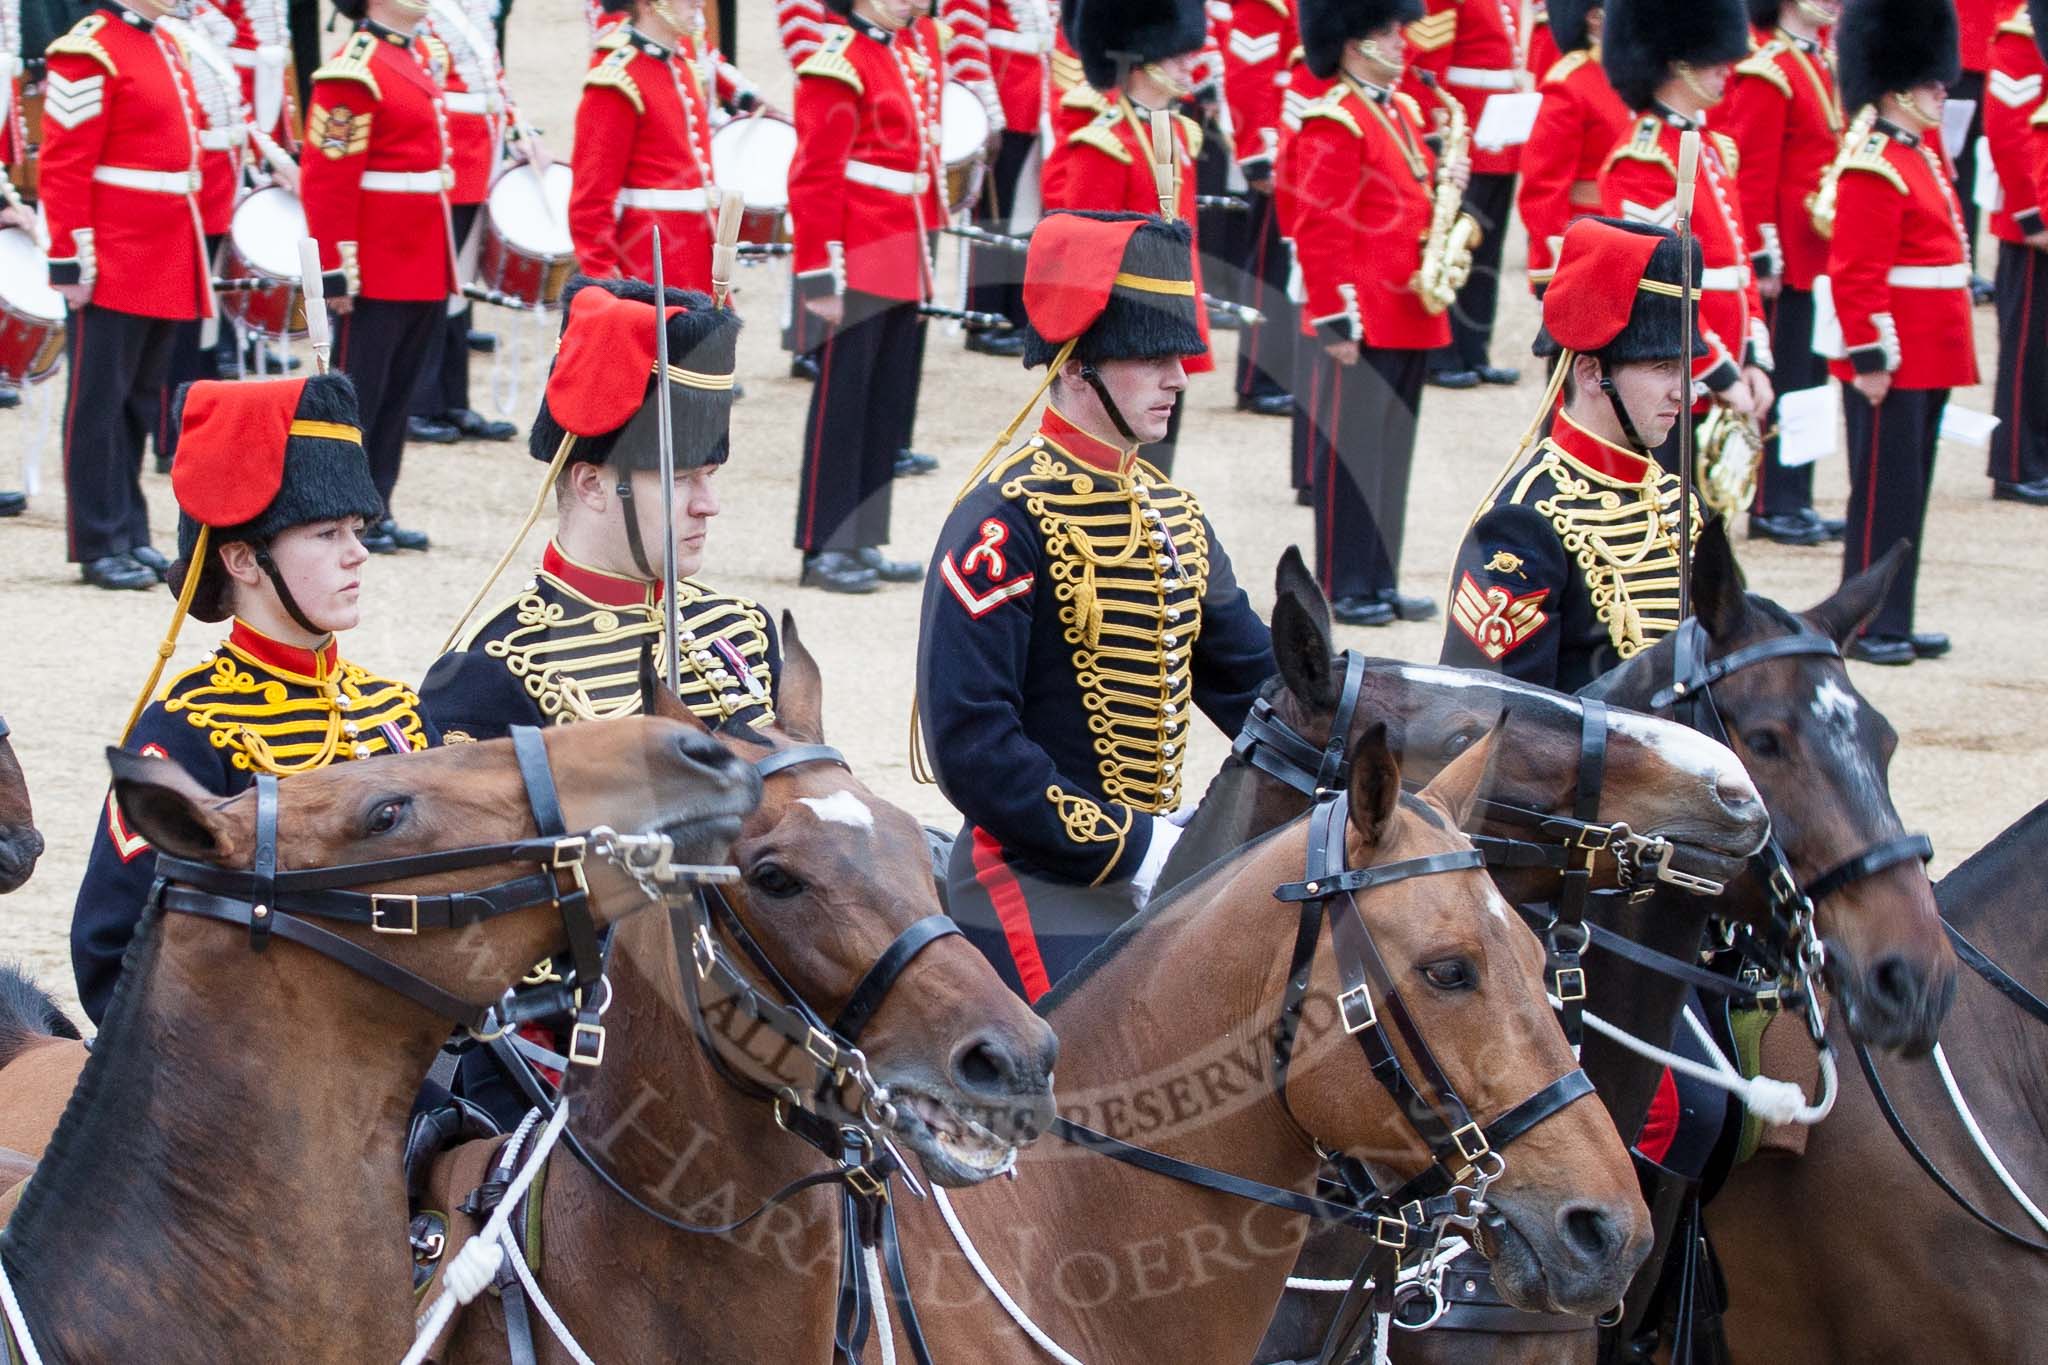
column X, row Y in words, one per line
column 1123, row 283
column 2037, row 10
column 1764, row 13
column 1615, row 293
column 1326, row 25
column 836, row 6
column 1113, row 36
column 1568, row 24
column 1643, row 39
column 601, row 386
column 256, row 458
column 1882, row 46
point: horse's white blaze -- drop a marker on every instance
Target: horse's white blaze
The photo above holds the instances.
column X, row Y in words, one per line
column 1834, row 705
column 1687, row 749
column 841, row 808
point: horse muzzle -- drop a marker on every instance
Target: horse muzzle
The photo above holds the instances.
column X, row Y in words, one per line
column 20, row 846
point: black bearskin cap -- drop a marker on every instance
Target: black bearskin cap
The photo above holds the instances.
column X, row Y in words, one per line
column 1643, row 39
column 1764, row 13
column 1113, row 36
column 836, row 6
column 1136, row 324
column 2037, row 10
column 1654, row 323
column 703, row 340
column 1326, row 25
column 1882, row 46
column 1568, row 24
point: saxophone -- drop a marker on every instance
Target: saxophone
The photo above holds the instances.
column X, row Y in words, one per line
column 1820, row 205
column 1453, row 233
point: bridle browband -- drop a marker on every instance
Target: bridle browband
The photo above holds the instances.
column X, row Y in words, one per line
column 1464, row 1155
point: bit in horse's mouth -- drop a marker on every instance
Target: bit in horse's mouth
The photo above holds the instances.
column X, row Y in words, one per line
column 936, row 1129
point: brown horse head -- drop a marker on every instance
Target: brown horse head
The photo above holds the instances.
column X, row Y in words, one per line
column 831, row 875
column 20, row 843
column 1821, row 753
column 634, row 776
column 1566, row 1228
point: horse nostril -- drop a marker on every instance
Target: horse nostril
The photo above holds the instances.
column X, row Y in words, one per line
column 1738, row 797
column 992, row 1066
column 1589, row 1231
column 1895, row 983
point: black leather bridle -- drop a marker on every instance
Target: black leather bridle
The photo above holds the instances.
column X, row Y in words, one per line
column 1464, row 1155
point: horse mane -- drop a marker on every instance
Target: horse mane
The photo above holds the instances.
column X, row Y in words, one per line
column 1974, row 884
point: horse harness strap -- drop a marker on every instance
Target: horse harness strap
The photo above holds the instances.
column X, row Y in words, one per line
column 1994, row 975
column 1275, row 748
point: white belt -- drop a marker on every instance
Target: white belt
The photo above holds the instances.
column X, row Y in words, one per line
column 1928, row 276
column 1482, row 78
column 1005, row 40
column 404, row 182
column 882, row 178
column 159, row 182
column 219, row 139
column 1726, row 278
column 243, row 57
column 467, row 101
column 679, row 201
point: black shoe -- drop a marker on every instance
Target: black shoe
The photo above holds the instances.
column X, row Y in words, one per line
column 13, row 504
column 909, row 462
column 483, row 343
column 1267, row 404
column 1791, row 529
column 1008, row 345
column 401, row 537
column 886, row 569
column 431, row 430
column 119, row 572
column 152, row 559
column 1304, row 497
column 804, row 365
column 163, row 464
column 10, row 397
column 1930, row 644
column 478, row 427
column 1362, row 611
column 838, row 571
column 2035, row 492
column 1454, row 379
column 1981, row 289
column 378, row 540
column 1500, row 374
column 1408, row 608
column 1831, row 528
column 1889, row 650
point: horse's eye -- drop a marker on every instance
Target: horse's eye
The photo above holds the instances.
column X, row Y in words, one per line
column 1449, row 974
column 384, row 817
column 1763, row 744
column 772, row 879
column 1459, row 743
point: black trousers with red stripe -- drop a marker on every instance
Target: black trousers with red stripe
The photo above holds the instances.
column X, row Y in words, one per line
column 1361, row 451
column 2019, row 448
column 1031, row 929
column 1782, row 492
column 861, row 412
column 380, row 345
column 443, row 384
column 1891, row 468
column 118, row 363
column 995, row 275
column 1265, row 353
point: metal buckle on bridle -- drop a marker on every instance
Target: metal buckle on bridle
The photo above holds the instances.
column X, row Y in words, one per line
column 1390, row 1232
column 822, row 1050
column 586, row 1044
column 1357, row 1008
column 1570, row 984
column 1471, row 1143
column 379, row 901
column 865, row 1183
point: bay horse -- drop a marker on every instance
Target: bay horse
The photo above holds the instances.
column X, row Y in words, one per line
column 20, row 843
column 1176, row 1034
column 1851, row 1252
column 832, row 877
column 225, row 1181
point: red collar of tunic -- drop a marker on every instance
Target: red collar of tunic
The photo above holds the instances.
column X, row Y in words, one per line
column 1097, row 454
column 279, row 657
column 605, row 589
column 1601, row 456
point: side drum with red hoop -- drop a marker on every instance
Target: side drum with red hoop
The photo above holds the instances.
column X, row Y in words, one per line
column 753, row 155
column 263, row 249
column 31, row 312
column 526, row 255
column 963, row 145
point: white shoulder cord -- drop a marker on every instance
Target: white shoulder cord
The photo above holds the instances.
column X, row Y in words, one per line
column 1955, row 1095
column 988, row 1280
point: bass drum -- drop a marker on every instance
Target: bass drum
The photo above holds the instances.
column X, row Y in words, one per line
column 963, row 145
column 263, row 249
column 753, row 155
column 526, row 256
column 31, row 312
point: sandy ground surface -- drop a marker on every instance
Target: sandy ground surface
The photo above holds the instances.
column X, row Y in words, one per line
column 72, row 658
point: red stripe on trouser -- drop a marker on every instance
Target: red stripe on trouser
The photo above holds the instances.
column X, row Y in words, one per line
column 76, row 321
column 2019, row 369
column 1013, row 911
column 1660, row 1125
column 1870, row 496
column 1327, row 485
column 817, row 451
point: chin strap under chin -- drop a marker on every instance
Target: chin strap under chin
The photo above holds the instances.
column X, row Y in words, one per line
column 1088, row 373
column 284, row 593
column 1628, row 426
column 632, row 514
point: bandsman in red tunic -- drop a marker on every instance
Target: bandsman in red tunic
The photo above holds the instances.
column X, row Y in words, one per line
column 1977, row 29
column 1580, row 121
column 859, row 192
column 375, row 180
column 1900, row 282
column 1140, row 55
column 1361, row 178
column 121, row 183
column 1544, row 49
column 1262, row 40
column 2016, row 128
column 1786, row 119
column 1671, row 61
column 1304, row 88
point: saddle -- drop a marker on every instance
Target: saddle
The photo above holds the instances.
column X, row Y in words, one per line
column 451, row 1160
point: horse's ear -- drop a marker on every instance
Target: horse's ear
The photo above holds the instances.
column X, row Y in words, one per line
column 1301, row 634
column 1375, row 783
column 1719, row 596
column 160, row 801
column 1857, row 600
column 657, row 700
column 800, row 693
column 1470, row 775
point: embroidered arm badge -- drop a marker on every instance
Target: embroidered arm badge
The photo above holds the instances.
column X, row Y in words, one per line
column 987, row 558
column 1497, row 621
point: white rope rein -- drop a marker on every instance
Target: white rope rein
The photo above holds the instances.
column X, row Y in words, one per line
column 17, row 1321
column 1772, row 1100
column 884, row 1329
column 988, row 1280
column 1450, row 1249
column 1955, row 1096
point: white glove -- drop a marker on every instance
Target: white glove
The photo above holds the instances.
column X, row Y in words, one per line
column 1165, row 834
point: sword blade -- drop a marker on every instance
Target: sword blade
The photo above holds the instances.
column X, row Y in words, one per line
column 664, row 424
